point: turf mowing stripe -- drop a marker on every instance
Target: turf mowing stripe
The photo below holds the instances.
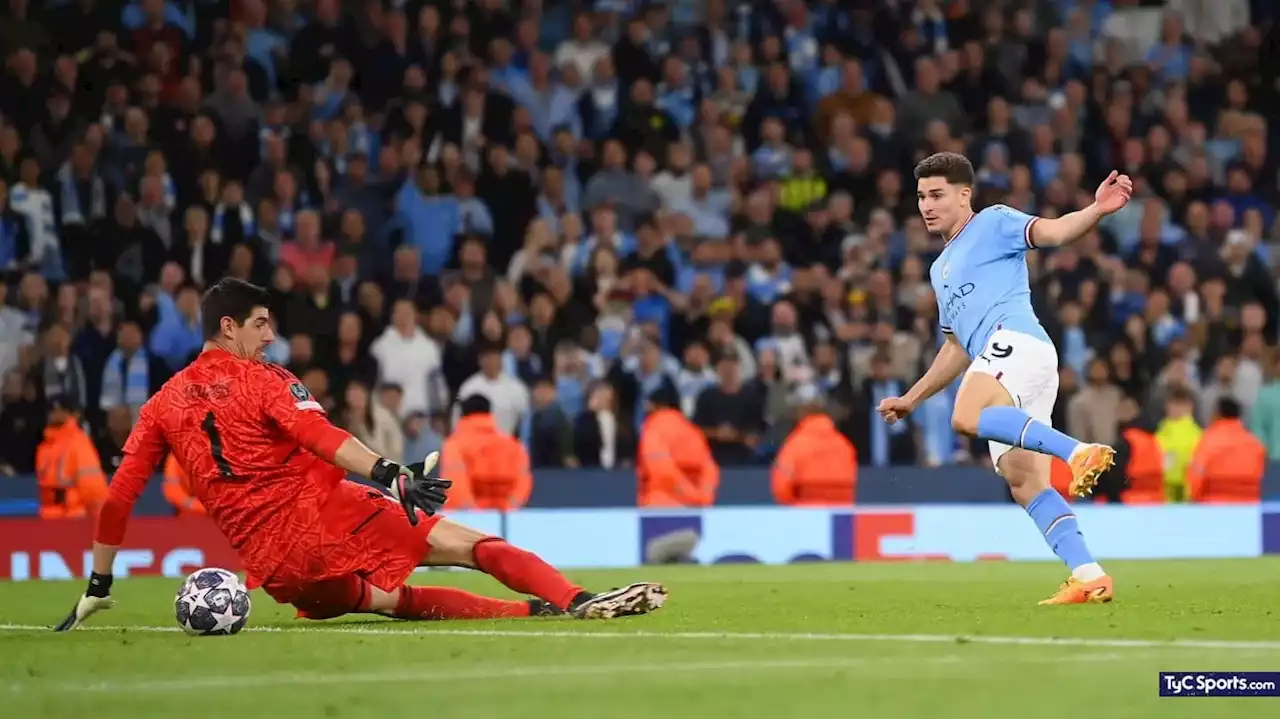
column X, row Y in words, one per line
column 439, row 673
column 722, row 636
column 445, row 673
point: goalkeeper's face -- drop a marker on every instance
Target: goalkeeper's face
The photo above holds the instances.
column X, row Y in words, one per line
column 250, row 340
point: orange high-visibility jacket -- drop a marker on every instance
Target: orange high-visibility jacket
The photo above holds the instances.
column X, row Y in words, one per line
column 489, row 468
column 177, row 489
column 674, row 467
column 816, row 466
column 1145, row 469
column 69, row 474
column 1227, row 466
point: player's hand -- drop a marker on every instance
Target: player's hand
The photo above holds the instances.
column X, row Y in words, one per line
column 95, row 599
column 1113, row 193
column 894, row 409
column 411, row 486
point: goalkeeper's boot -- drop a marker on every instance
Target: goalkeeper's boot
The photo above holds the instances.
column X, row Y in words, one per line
column 1074, row 591
column 640, row 598
column 543, row 608
column 1087, row 464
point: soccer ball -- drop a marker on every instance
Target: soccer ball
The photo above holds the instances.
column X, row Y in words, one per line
column 212, row 602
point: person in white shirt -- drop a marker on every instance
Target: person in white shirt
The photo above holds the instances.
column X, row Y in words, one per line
column 407, row 357
column 583, row 49
column 507, row 395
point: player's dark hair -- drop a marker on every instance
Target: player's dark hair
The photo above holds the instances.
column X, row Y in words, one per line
column 951, row 166
column 232, row 298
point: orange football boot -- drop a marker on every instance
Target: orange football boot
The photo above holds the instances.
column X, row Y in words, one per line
column 1088, row 463
column 1074, row 591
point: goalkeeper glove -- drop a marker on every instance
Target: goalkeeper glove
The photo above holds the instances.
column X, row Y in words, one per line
column 410, row 485
column 96, row 598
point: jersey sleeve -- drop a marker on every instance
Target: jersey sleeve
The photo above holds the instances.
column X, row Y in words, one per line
column 143, row 451
column 1014, row 229
column 286, row 403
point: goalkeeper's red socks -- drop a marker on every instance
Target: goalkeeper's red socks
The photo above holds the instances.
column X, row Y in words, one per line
column 435, row 603
column 524, row 572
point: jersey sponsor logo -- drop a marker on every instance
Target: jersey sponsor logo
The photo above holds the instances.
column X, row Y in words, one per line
column 955, row 302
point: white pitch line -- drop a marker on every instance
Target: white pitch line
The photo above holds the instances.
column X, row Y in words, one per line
column 419, row 630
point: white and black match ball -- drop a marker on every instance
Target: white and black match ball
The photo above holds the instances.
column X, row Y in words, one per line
column 212, row 602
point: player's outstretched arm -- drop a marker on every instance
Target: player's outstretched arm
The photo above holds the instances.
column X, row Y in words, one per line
column 290, row 407
column 409, row 484
column 950, row 363
column 1112, row 194
column 143, row 450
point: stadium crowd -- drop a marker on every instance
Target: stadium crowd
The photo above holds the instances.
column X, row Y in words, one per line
column 570, row 206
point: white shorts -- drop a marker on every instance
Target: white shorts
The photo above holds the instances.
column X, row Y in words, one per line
column 1027, row 367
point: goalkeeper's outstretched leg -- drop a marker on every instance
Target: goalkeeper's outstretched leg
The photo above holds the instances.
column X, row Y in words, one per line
column 454, row 545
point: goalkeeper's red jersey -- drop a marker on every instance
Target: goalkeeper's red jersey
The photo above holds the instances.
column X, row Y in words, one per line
column 253, row 441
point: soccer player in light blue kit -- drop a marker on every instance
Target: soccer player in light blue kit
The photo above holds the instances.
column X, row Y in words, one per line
column 1010, row 366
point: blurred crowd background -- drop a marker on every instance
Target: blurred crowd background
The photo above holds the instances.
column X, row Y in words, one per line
column 568, row 206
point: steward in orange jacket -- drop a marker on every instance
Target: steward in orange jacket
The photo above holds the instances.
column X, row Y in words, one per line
column 1229, row 461
column 489, row 468
column 817, row 465
column 177, row 490
column 68, row 470
column 674, row 467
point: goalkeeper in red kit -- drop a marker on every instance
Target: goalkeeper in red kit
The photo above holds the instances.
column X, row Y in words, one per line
column 271, row 471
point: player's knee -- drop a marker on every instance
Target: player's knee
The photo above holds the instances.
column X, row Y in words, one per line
column 382, row 601
column 965, row 422
column 1027, row 474
column 453, row 545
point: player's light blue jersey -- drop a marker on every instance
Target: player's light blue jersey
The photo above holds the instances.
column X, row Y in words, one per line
column 981, row 279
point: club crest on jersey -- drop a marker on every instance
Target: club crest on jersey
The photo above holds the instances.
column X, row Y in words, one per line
column 299, row 392
column 946, row 270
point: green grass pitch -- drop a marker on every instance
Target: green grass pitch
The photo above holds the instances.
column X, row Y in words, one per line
column 816, row 640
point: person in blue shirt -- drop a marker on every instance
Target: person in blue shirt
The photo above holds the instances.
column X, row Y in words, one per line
column 1009, row 364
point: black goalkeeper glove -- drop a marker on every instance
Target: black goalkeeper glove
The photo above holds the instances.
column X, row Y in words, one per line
column 96, row 598
column 411, row 486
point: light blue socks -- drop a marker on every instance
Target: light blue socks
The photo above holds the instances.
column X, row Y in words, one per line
column 1016, row 428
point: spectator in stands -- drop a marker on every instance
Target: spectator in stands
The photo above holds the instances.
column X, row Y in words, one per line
column 547, row 431
column 406, row 356
column 61, row 372
column 508, row 396
column 130, row 373
column 601, row 436
column 1264, row 420
column 366, row 419
column 1094, row 410
column 109, row 441
column 20, row 422
column 178, row 335
column 730, row 415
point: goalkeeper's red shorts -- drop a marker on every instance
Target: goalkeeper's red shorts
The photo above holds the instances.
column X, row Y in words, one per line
column 363, row 538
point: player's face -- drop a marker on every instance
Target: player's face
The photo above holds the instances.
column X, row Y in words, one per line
column 253, row 337
column 941, row 203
